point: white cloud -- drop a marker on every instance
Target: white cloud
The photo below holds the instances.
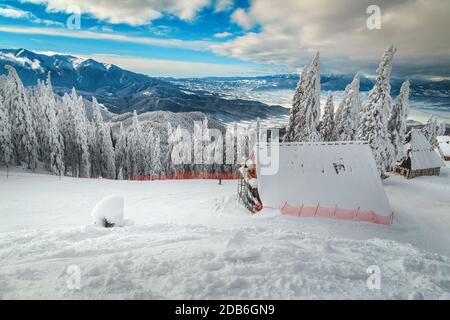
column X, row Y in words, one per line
column 199, row 45
column 174, row 68
column 160, row 30
column 15, row 13
column 242, row 18
column 292, row 31
column 132, row 12
column 223, row 5
column 222, row 35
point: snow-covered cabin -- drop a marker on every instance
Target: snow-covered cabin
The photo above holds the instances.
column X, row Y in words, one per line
column 421, row 158
column 325, row 179
column 444, row 147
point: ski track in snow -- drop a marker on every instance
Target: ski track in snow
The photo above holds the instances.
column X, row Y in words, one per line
column 192, row 240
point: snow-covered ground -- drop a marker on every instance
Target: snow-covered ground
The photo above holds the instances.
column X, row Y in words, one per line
column 191, row 239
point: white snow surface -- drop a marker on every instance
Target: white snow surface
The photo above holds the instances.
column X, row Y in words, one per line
column 191, row 239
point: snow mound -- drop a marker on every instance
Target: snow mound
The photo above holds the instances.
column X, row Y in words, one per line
column 109, row 212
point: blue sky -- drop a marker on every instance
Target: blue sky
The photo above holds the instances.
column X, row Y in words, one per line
column 184, row 38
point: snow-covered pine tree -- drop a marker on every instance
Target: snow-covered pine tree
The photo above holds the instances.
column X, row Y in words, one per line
column 397, row 124
column 442, row 129
column 6, row 147
column 23, row 136
column 207, row 148
column 347, row 114
column 135, row 149
column 167, row 157
column 327, row 123
column 51, row 148
column 63, row 119
column 104, row 154
column 198, row 145
column 296, row 102
column 97, row 131
column 156, row 155
column 148, row 153
column 120, row 174
column 120, row 151
column 230, row 145
column 3, row 84
column 37, row 114
column 79, row 126
column 305, row 114
column 109, row 161
column 430, row 131
column 373, row 121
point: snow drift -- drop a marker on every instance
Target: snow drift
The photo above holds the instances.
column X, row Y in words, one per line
column 109, row 212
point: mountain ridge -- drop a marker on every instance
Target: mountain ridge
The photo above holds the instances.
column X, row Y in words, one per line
column 123, row 91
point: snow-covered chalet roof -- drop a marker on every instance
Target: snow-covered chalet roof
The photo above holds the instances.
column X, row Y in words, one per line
column 333, row 174
column 422, row 153
column 444, row 145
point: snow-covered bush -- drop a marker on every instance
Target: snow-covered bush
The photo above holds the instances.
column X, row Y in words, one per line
column 109, row 212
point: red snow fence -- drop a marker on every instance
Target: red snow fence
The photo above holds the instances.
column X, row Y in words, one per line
column 337, row 213
column 190, row 176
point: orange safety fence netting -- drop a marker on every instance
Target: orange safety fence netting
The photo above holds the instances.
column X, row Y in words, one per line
column 336, row 213
column 190, row 175
column 175, row 176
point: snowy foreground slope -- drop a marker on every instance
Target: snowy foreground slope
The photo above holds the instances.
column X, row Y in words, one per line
column 190, row 239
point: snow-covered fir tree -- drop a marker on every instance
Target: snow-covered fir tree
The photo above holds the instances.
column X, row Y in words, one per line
column 120, row 151
column 327, row 123
column 430, row 131
column 231, row 144
column 37, row 114
column 156, row 155
column 23, row 136
column 135, row 149
column 198, row 146
column 148, row 154
column 120, row 175
column 298, row 96
column 52, row 152
column 305, row 113
column 442, row 129
column 6, row 147
column 75, row 129
column 373, row 121
column 103, row 158
column 171, row 140
column 397, row 124
column 347, row 114
column 108, row 158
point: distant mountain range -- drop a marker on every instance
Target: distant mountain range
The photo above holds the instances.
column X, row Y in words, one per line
column 329, row 82
column 123, row 91
column 427, row 97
